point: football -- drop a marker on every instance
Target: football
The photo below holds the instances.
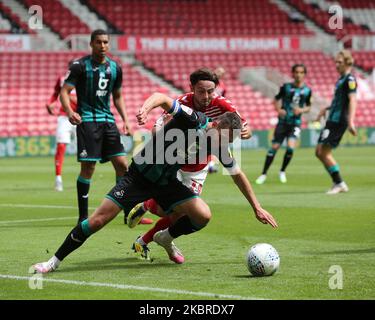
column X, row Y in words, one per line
column 262, row 260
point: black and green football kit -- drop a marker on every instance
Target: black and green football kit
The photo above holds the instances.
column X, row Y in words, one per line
column 292, row 97
column 337, row 121
column 98, row 138
column 157, row 177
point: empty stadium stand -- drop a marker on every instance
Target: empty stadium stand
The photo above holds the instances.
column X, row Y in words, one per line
column 17, row 25
column 209, row 18
column 322, row 17
column 59, row 18
column 25, row 90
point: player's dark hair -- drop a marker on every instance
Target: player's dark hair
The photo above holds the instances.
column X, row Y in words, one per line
column 98, row 32
column 299, row 65
column 229, row 120
column 203, row 74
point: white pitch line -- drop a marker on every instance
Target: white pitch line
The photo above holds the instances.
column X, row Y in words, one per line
column 132, row 287
column 40, row 206
column 36, row 220
column 12, row 205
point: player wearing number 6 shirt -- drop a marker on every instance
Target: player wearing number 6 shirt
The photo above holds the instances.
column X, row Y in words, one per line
column 95, row 78
column 291, row 102
column 341, row 117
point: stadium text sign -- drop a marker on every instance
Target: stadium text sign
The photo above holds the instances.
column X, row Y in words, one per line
column 206, row 43
column 14, row 43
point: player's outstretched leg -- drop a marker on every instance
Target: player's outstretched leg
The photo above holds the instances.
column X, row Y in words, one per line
column 79, row 234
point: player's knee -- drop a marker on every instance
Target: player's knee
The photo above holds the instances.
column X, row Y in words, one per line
column 318, row 153
column 87, row 169
column 205, row 215
column 97, row 221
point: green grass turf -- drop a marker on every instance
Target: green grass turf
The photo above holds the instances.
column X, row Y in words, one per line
column 315, row 232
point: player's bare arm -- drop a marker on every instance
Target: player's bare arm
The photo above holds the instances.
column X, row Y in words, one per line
column 155, row 100
column 351, row 116
column 51, row 108
column 322, row 113
column 244, row 185
column 298, row 111
column 120, row 106
column 280, row 111
column 74, row 117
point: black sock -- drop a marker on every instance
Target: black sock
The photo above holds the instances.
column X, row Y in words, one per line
column 334, row 172
column 74, row 240
column 287, row 157
column 183, row 226
column 83, row 187
column 269, row 158
column 336, row 177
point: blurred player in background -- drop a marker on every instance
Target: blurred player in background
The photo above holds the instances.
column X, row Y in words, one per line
column 65, row 130
column 220, row 88
column 341, row 117
column 290, row 103
column 95, row 78
column 203, row 98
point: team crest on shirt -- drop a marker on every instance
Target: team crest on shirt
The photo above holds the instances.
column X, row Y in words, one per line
column 83, row 154
column 352, row 84
column 119, row 194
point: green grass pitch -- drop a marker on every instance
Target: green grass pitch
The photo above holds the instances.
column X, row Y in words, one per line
column 315, row 232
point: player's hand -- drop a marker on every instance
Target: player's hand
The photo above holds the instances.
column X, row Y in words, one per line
column 128, row 130
column 265, row 217
column 282, row 113
column 321, row 114
column 50, row 108
column 142, row 117
column 75, row 118
column 352, row 129
column 246, row 133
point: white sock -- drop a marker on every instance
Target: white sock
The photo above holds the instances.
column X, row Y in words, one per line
column 168, row 235
column 141, row 242
column 58, row 179
column 54, row 261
